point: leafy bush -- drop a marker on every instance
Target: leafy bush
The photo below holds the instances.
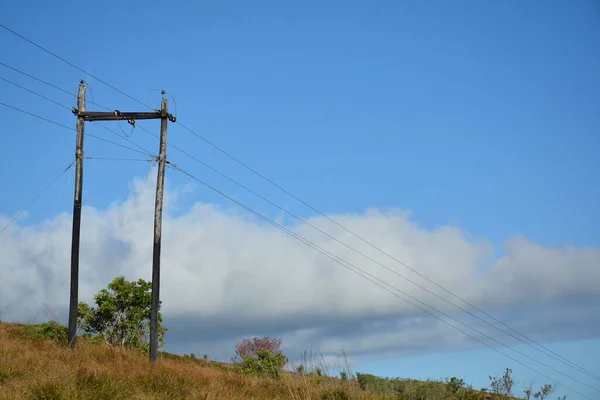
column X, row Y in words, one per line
column 50, row 330
column 260, row 357
column 122, row 315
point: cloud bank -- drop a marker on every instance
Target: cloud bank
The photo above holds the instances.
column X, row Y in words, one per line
column 225, row 275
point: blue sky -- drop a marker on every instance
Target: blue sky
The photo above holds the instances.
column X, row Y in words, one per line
column 479, row 115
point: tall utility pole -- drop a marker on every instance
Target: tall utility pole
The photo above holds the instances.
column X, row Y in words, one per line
column 74, row 294
column 158, row 206
column 82, row 117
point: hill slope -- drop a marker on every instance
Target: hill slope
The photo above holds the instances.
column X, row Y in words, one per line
column 34, row 368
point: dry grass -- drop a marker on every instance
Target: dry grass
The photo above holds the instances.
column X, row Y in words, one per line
column 41, row 369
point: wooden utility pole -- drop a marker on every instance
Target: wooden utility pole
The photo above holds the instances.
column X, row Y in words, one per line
column 73, row 302
column 82, row 117
column 158, row 206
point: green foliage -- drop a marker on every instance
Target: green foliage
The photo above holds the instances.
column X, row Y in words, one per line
column 264, row 364
column 121, row 316
column 260, row 357
column 343, row 375
column 50, row 330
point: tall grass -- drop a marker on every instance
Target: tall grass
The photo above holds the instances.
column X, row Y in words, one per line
column 33, row 368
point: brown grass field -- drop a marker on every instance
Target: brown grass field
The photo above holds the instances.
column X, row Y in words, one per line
column 33, row 368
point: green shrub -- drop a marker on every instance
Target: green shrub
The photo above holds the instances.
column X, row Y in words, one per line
column 264, row 364
column 50, row 330
column 260, row 357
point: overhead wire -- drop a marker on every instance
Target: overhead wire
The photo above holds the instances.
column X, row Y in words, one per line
column 64, row 188
column 527, row 340
column 295, row 216
column 50, row 84
column 37, row 197
column 69, row 128
column 68, row 108
column 35, row 93
column 375, row 261
column 24, row 210
column 373, row 279
column 144, row 150
column 71, row 64
column 304, row 221
column 562, row 359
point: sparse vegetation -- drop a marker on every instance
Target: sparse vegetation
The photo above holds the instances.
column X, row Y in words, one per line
column 108, row 363
column 502, row 387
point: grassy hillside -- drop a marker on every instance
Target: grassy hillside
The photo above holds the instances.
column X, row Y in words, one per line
column 35, row 368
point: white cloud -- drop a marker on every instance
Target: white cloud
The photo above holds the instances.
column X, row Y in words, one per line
column 225, row 275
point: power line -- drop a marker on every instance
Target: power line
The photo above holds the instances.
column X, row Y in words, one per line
column 35, row 93
column 25, row 210
column 373, row 260
column 37, row 79
column 49, row 84
column 68, row 108
column 69, row 128
column 37, row 197
column 145, row 151
column 367, row 257
column 295, row 216
column 527, row 340
column 71, row 64
column 373, row 279
column 37, row 116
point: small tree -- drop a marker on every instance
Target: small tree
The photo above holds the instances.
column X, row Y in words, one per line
column 122, row 315
column 503, row 386
column 260, row 357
